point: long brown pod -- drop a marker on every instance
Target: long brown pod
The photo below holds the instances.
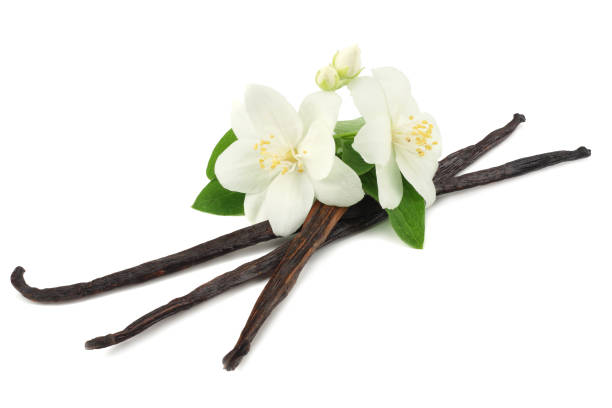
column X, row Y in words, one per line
column 239, row 239
column 222, row 245
column 315, row 230
column 318, row 225
column 454, row 163
column 508, row 170
column 358, row 218
column 308, row 240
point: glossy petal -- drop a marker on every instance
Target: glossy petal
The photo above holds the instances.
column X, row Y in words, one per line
column 397, row 92
column 419, row 172
column 318, row 150
column 320, row 106
column 241, row 123
column 373, row 141
column 389, row 180
column 369, row 98
column 252, row 206
column 342, row 187
column 287, row 202
column 271, row 114
column 237, row 169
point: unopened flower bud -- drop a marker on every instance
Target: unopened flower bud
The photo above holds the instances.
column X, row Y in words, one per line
column 327, row 78
column 348, row 62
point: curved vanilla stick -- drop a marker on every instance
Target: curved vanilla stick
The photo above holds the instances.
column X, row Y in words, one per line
column 239, row 239
column 167, row 265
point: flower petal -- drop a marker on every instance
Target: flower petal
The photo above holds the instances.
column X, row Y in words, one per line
column 342, row 187
column 369, row 97
column 390, row 187
column 373, row 141
column 241, row 123
column 397, row 91
column 320, row 106
column 419, row 172
column 238, row 169
column 271, row 114
column 318, row 150
column 252, row 206
column 287, row 202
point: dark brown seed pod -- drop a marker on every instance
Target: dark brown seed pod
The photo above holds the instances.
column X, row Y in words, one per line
column 233, row 241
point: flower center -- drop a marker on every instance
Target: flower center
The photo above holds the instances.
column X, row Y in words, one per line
column 275, row 156
column 416, row 136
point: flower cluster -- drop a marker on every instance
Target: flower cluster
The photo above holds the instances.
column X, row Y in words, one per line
column 276, row 161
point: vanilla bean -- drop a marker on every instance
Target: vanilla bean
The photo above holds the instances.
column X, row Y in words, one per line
column 167, row 265
column 509, row 170
column 364, row 214
column 359, row 217
column 318, row 225
column 224, row 244
column 461, row 159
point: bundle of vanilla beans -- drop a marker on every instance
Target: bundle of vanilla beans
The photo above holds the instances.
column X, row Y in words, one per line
column 282, row 265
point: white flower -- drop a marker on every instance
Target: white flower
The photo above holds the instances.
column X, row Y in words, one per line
column 283, row 160
column 348, row 62
column 327, row 78
column 397, row 137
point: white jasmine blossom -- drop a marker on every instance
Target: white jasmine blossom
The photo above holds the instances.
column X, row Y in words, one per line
column 397, row 137
column 283, row 159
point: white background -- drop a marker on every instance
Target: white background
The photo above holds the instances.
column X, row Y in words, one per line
column 108, row 113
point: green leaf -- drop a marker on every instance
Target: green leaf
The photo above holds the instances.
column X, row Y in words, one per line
column 354, row 159
column 215, row 199
column 408, row 219
column 223, row 144
column 348, row 128
column 368, row 182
